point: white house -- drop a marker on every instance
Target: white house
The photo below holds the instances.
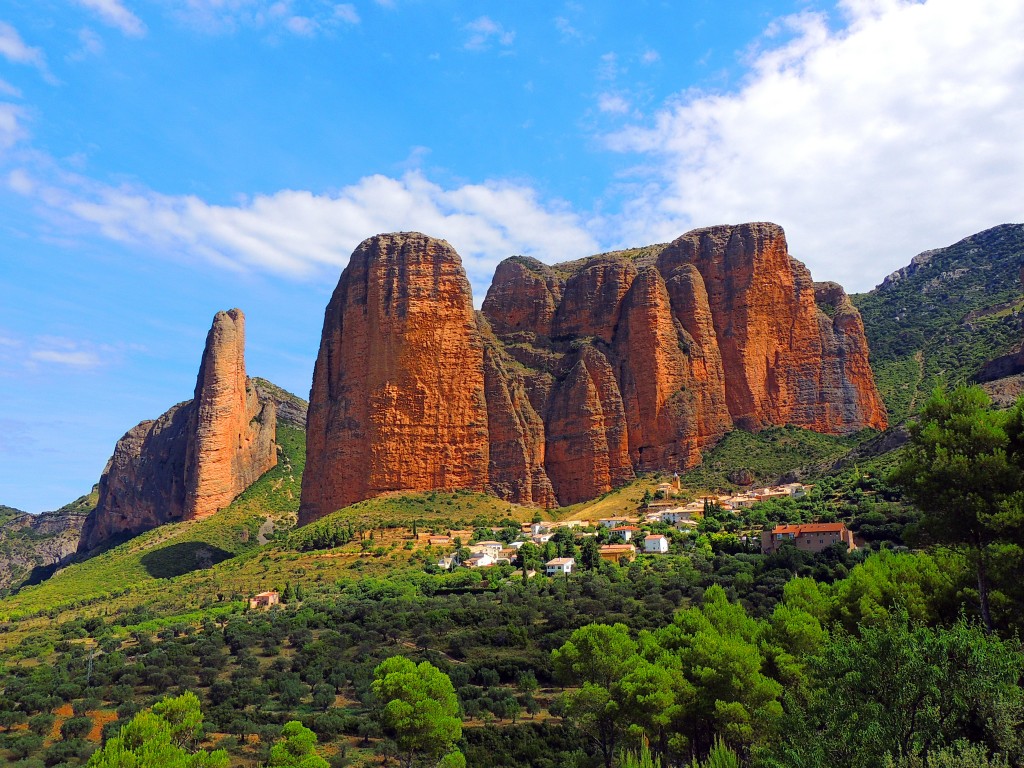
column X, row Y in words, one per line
column 613, row 522
column 479, row 560
column 560, row 565
column 625, row 531
column 446, row 563
column 655, row 544
column 674, row 515
column 491, row 548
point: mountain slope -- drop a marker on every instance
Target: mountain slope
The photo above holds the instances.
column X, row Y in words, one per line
column 32, row 545
column 942, row 317
column 178, row 548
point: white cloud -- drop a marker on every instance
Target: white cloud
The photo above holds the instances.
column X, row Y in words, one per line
column 301, row 25
column 17, row 51
column 9, row 90
column 91, row 45
column 484, row 31
column 72, row 359
column 612, row 103
column 346, row 12
column 11, row 130
column 898, row 133
column 650, row 56
column 567, row 30
column 299, row 234
column 304, row 18
column 114, row 14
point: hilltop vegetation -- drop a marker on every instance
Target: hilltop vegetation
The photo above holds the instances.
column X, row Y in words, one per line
column 941, row 318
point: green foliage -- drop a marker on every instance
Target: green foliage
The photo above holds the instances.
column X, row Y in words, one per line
column 954, row 312
column 767, row 454
column 154, row 740
column 418, row 709
column 295, row 749
column 900, row 690
column 964, row 468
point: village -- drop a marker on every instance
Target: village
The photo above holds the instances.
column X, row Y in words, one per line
column 620, row 540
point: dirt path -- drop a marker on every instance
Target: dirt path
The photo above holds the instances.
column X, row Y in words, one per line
column 265, row 531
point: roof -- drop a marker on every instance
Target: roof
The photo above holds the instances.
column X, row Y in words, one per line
column 266, row 594
column 489, row 544
column 797, row 530
column 626, row 528
column 561, row 561
column 618, row 548
column 653, row 537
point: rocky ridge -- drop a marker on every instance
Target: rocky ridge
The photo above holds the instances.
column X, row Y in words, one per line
column 31, row 545
column 575, row 376
column 198, row 456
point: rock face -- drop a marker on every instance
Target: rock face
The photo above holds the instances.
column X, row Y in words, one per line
column 231, row 431
column 574, row 376
column 198, row 456
column 33, row 545
column 398, row 389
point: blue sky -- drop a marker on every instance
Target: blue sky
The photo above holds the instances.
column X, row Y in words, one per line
column 164, row 159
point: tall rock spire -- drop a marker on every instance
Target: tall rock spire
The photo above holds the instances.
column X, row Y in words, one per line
column 198, row 456
column 232, row 431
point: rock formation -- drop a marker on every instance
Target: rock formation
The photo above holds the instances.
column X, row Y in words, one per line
column 573, row 376
column 398, row 389
column 33, row 546
column 198, row 456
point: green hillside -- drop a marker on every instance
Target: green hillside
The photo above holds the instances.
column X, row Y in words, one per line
column 767, row 455
column 172, row 550
column 946, row 314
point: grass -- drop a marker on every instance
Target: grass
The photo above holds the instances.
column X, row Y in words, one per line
column 768, row 455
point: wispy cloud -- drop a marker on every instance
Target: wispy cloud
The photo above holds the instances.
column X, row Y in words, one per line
column 346, row 12
column 613, row 103
column 298, row 234
column 71, row 359
column 113, row 13
column 11, row 128
column 302, row 18
column 897, row 133
column 484, row 32
column 568, row 32
column 650, row 56
column 17, row 51
column 37, row 353
column 90, row 45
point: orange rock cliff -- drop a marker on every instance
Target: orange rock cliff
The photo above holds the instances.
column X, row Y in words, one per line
column 574, row 376
column 198, row 456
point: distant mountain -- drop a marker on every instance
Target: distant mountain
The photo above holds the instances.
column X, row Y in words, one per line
column 945, row 316
column 32, row 546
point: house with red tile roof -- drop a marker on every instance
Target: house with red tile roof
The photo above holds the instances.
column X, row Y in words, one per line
column 808, row 537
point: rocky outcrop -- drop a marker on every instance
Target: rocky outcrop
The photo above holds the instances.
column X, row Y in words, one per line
column 231, row 431
column 398, row 398
column 783, row 357
column 198, row 456
column 575, row 376
column 32, row 546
